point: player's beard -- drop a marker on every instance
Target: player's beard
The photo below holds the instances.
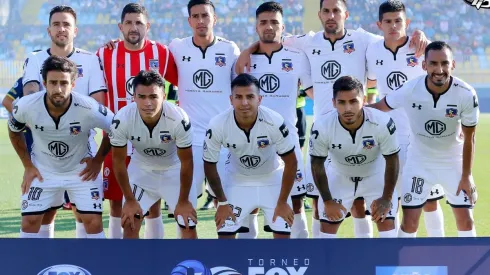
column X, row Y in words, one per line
column 441, row 81
column 61, row 44
column 57, row 102
column 353, row 120
column 267, row 38
column 134, row 41
column 333, row 30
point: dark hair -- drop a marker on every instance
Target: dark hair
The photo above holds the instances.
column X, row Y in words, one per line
column 59, row 64
column 134, row 8
column 437, row 46
column 343, row 1
column 62, row 9
column 245, row 80
column 390, row 6
column 347, row 83
column 148, row 78
column 269, row 7
column 193, row 3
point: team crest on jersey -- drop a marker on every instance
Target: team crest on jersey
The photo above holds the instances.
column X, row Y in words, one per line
column 80, row 70
column 287, row 66
column 451, row 112
column 154, row 64
column 412, row 61
column 75, row 130
column 165, row 138
column 95, row 195
column 263, row 142
column 349, row 47
column 368, row 143
column 220, row 60
column 299, row 176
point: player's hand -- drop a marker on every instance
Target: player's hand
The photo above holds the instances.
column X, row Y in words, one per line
column 112, row 44
column 243, row 62
column 379, row 209
column 469, row 188
column 30, row 173
column 131, row 210
column 92, row 170
column 186, row 211
column 284, row 211
column 223, row 213
column 418, row 42
column 334, row 210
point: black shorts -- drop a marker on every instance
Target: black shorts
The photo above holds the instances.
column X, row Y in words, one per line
column 301, row 125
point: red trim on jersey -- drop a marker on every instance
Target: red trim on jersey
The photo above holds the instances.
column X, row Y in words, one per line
column 170, row 69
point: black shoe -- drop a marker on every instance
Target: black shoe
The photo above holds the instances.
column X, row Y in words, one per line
column 165, row 206
column 208, row 204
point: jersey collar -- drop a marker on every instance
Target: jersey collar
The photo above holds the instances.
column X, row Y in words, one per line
column 68, row 56
column 272, row 53
column 56, row 120
column 436, row 96
column 247, row 133
column 397, row 48
column 333, row 43
column 353, row 133
column 203, row 51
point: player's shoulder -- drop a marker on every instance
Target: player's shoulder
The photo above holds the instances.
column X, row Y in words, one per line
column 327, row 119
column 127, row 112
column 375, row 48
column 222, row 119
column 31, row 100
column 39, row 55
column 174, row 112
column 375, row 117
column 462, row 86
column 176, row 42
column 83, row 52
column 269, row 117
column 225, row 43
column 84, row 102
column 293, row 51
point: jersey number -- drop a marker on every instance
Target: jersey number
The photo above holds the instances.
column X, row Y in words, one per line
column 117, row 122
column 417, row 185
column 16, row 108
column 102, row 110
column 284, row 130
column 34, row 193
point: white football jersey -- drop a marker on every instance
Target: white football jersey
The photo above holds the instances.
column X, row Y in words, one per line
column 436, row 136
column 90, row 77
column 204, row 80
column 60, row 145
column 391, row 70
column 154, row 148
column 278, row 76
column 329, row 61
column 358, row 154
column 255, row 153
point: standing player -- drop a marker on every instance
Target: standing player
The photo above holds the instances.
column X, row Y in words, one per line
column 335, row 52
column 279, row 69
column 262, row 165
column 90, row 81
column 121, row 63
column 161, row 135
column 392, row 62
column 61, row 160
column 355, row 138
column 443, row 113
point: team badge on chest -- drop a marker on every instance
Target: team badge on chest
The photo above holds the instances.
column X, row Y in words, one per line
column 262, row 142
column 165, row 138
column 349, row 47
column 220, row 60
column 368, row 143
column 451, row 112
column 75, row 128
column 412, row 61
column 287, row 65
column 154, row 65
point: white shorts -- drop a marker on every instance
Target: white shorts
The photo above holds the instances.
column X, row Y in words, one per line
column 198, row 173
column 151, row 185
column 345, row 190
column 419, row 181
column 87, row 196
column 437, row 191
column 246, row 193
column 299, row 187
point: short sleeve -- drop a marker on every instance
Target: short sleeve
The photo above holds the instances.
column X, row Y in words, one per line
column 96, row 80
column 297, row 41
column 16, row 90
column 369, row 38
column 213, row 141
column 282, row 139
column 387, row 138
column 102, row 116
column 397, row 98
column 370, row 62
column 31, row 71
column 305, row 74
column 470, row 110
column 118, row 133
column 183, row 132
column 319, row 141
column 17, row 120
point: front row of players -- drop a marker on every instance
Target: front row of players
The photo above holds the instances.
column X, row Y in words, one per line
column 261, row 168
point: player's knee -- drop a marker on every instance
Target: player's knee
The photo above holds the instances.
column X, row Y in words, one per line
column 31, row 223
column 329, row 228
column 92, row 222
column 154, row 211
column 49, row 216
column 190, row 233
column 116, row 208
column 358, row 209
column 410, row 223
column 297, row 204
column 464, row 222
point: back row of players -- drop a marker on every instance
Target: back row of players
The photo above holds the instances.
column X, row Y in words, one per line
column 245, row 139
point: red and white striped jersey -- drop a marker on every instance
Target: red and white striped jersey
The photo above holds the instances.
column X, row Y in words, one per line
column 120, row 66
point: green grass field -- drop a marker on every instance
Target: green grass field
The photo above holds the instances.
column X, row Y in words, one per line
column 11, row 172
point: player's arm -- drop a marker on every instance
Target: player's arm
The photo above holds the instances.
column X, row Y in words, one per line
column 119, row 141
column 171, row 72
column 396, row 99
column 31, row 80
column 371, row 92
column 305, row 76
column 7, row 102
column 97, row 85
column 318, row 151
column 14, row 93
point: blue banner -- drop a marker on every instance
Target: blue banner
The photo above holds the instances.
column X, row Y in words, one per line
column 422, row 256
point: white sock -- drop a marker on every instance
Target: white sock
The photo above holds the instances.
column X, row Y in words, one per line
column 80, row 232
column 29, row 235
column 434, row 223
column 253, row 226
column 327, row 236
column 115, row 229
column 471, row 233
column 179, row 232
column 100, row 235
column 315, row 228
column 154, row 228
column 299, row 230
column 402, row 234
column 46, row 231
column 363, row 228
column 388, row 234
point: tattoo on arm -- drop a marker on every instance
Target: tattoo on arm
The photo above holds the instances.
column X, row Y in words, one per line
column 391, row 175
column 214, row 180
column 320, row 177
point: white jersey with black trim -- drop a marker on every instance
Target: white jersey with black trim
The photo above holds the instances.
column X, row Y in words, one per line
column 436, row 135
column 278, row 77
column 252, row 153
column 204, row 79
column 155, row 148
column 329, row 61
column 358, row 154
column 391, row 70
column 90, row 78
column 60, row 144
